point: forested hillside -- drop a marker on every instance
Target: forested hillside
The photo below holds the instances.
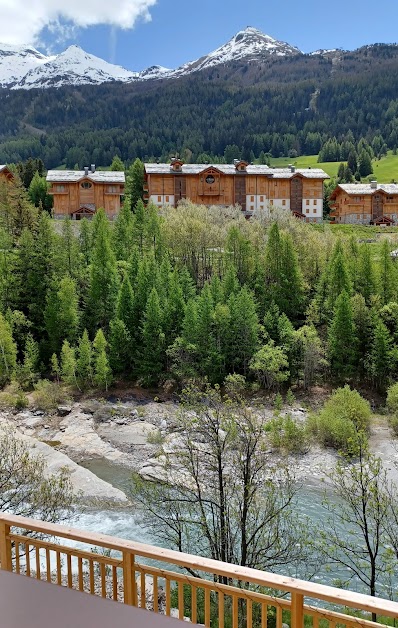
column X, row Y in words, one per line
column 286, row 106
column 191, row 294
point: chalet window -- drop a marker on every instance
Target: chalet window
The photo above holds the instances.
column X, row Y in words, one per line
column 167, row 199
column 261, row 199
column 159, row 199
column 307, row 211
column 112, row 189
column 307, row 202
column 252, row 199
column 86, row 185
column 271, row 202
column 283, row 202
column 315, row 202
column 60, row 188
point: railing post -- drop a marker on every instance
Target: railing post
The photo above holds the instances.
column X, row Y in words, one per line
column 129, row 584
column 297, row 610
column 5, row 547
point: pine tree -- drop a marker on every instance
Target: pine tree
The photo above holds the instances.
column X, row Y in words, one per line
column 68, row 363
column 342, row 337
column 243, row 331
column 70, row 250
column 153, row 349
column 338, row 279
column 139, row 225
column 120, row 347
column 292, row 290
column 230, row 283
column 135, row 182
column 380, row 356
column 387, row 275
column 362, row 318
column 28, row 373
column 102, row 370
column 364, row 164
column 117, row 165
column 125, row 310
column 61, row 314
column 366, row 280
column 55, row 368
column 123, row 233
column 84, row 360
column 38, row 193
column 8, row 352
column 104, row 279
column 85, row 240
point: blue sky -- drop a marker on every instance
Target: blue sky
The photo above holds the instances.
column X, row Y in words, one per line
column 181, row 31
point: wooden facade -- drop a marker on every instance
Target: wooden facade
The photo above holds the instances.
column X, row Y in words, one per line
column 5, row 174
column 365, row 204
column 254, row 188
column 78, row 194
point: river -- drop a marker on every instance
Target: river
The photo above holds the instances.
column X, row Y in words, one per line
column 129, row 524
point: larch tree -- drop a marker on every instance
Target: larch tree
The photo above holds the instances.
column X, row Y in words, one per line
column 342, row 337
column 104, row 279
column 135, row 182
column 153, row 347
column 8, row 352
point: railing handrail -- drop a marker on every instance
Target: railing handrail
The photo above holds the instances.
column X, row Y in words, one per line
column 308, row 589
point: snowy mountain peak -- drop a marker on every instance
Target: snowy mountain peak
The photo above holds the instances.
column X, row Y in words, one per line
column 16, row 61
column 249, row 44
column 74, row 66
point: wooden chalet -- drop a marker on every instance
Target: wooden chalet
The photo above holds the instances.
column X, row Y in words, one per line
column 365, row 203
column 254, row 188
column 5, row 174
column 79, row 193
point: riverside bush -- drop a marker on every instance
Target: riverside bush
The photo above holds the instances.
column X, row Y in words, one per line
column 342, row 417
column 287, row 434
column 48, row 395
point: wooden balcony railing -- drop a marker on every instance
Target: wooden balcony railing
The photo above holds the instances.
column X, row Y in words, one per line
column 159, row 579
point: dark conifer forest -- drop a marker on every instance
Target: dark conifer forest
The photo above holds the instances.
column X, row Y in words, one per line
column 192, row 295
column 285, row 107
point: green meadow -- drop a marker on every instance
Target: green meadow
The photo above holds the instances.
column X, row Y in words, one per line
column 384, row 170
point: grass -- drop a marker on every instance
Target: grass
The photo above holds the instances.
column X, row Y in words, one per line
column 384, row 169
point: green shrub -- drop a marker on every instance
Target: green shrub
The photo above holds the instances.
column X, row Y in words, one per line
column 288, row 435
column 392, row 398
column 393, row 423
column 342, row 417
column 278, row 403
column 155, row 438
column 290, row 398
column 48, row 395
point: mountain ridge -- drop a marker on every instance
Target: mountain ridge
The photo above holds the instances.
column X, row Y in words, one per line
column 24, row 67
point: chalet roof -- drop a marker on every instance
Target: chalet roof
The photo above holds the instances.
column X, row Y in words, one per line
column 365, row 188
column 72, row 176
column 273, row 173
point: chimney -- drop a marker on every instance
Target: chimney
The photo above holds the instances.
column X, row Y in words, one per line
column 236, row 161
column 373, row 184
column 86, row 170
column 92, row 168
column 292, row 168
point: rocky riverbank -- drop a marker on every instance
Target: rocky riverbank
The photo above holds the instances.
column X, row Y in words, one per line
column 130, row 433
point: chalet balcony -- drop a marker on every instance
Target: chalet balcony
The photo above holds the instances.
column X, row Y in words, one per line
column 164, row 582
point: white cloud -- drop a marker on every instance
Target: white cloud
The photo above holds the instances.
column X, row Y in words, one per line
column 22, row 21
